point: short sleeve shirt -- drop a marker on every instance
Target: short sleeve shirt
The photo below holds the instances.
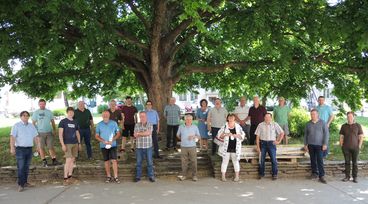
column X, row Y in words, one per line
column 268, row 132
column 24, row 133
column 184, row 132
column 218, row 117
column 324, row 112
column 129, row 113
column 242, row 113
column 116, row 115
column 107, row 131
column 351, row 134
column 83, row 118
column 257, row 114
column 43, row 120
column 281, row 114
column 172, row 114
column 152, row 116
column 70, row 128
column 146, row 141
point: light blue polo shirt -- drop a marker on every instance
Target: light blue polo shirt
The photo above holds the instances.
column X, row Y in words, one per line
column 43, row 120
column 152, row 116
column 24, row 133
column 184, row 132
column 107, row 131
column 324, row 112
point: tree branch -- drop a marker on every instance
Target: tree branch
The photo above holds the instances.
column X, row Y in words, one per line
column 139, row 15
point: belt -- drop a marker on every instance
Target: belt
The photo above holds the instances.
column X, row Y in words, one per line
column 23, row 147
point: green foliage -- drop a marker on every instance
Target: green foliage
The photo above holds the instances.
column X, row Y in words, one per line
column 298, row 119
column 59, row 112
column 102, row 108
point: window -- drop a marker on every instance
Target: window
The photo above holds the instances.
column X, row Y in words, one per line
column 193, row 96
column 183, row 97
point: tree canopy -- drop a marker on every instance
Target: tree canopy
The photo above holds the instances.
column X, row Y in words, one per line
column 240, row 47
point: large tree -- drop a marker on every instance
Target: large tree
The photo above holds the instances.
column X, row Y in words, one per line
column 252, row 46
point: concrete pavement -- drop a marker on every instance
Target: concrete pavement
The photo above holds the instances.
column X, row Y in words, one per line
column 207, row 190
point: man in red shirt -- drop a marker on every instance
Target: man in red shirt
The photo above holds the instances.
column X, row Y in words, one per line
column 129, row 120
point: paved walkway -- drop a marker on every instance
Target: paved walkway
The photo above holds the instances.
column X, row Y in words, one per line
column 207, row 190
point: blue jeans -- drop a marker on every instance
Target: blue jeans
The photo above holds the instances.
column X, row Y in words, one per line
column 142, row 153
column 270, row 148
column 24, row 157
column 86, row 136
column 316, row 159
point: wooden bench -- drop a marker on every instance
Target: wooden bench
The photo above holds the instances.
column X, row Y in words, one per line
column 289, row 153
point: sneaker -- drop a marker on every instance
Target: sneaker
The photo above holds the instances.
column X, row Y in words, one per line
column 44, row 163
column 345, row 179
column 55, row 162
column 223, row 179
column 195, row 178
column 108, row 180
column 236, row 179
column 355, row 180
column 73, row 180
column 182, row 178
column 137, row 180
column 274, row 178
column 116, row 180
column 314, row 176
column 260, row 177
column 66, row 182
column 152, row 180
column 322, row 180
column 29, row 185
column 20, row 188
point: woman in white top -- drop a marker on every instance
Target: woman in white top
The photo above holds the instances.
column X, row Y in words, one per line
column 232, row 134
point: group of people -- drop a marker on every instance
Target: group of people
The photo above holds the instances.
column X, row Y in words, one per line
column 246, row 125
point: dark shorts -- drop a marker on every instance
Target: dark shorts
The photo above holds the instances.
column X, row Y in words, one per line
column 109, row 154
column 128, row 130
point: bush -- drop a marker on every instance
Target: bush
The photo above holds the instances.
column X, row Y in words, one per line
column 101, row 108
column 298, row 119
column 59, row 112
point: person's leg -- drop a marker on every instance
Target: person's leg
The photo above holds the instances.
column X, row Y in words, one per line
column 247, row 133
column 168, row 136
column 41, row 148
column 225, row 162
column 175, row 131
column 272, row 154
column 155, row 142
column 107, row 168
column 354, row 155
column 236, row 166
column 71, row 166
column 124, row 137
column 149, row 152
column 115, row 167
column 28, row 159
column 263, row 158
column 252, row 135
column 347, row 157
column 193, row 161
column 131, row 136
column 87, row 142
column 319, row 153
column 50, row 138
column 139, row 156
column 214, row 132
column 20, row 156
column 184, row 161
column 313, row 159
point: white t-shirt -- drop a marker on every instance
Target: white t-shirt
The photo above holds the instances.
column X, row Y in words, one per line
column 242, row 113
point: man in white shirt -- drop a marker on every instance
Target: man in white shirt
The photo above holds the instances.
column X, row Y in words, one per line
column 241, row 116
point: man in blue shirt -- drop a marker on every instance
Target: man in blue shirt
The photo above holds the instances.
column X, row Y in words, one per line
column 21, row 142
column 154, row 119
column 189, row 135
column 107, row 132
column 325, row 113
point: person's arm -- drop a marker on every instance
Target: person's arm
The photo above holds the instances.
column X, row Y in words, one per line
column 122, row 121
column 12, row 144
column 61, row 139
column 305, row 138
column 341, row 140
column 326, row 135
column 330, row 119
column 209, row 121
column 221, row 133
column 280, row 133
column 178, row 134
column 361, row 136
column 257, row 144
column 53, row 126
column 116, row 136
column 165, row 112
column 91, row 123
column 79, row 140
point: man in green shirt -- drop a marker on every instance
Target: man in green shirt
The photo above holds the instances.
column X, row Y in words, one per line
column 281, row 116
column 85, row 121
